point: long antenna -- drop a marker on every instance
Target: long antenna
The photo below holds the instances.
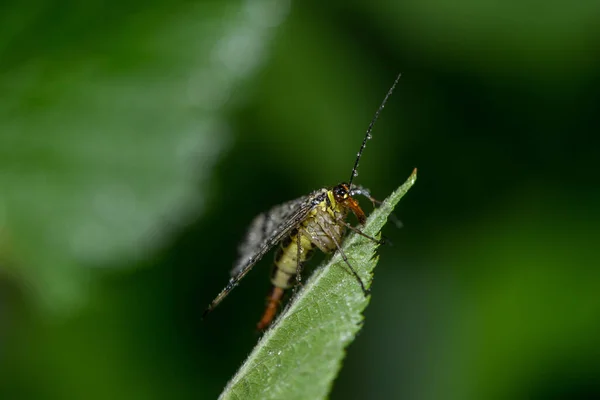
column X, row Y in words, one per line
column 369, row 129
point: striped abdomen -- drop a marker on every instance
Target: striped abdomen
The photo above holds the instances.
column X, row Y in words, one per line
column 322, row 230
column 288, row 260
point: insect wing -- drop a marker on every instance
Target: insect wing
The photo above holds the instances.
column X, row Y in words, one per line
column 266, row 231
column 269, row 228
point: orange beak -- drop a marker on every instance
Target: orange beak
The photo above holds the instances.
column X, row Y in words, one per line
column 353, row 205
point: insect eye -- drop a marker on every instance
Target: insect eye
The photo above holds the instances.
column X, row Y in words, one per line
column 340, row 192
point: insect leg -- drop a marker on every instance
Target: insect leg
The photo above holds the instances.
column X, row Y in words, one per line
column 345, row 258
column 361, row 191
column 361, row 233
column 299, row 264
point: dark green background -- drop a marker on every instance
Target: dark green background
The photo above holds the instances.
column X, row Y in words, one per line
column 138, row 139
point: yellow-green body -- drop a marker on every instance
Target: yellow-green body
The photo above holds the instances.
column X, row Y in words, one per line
column 322, row 228
column 299, row 226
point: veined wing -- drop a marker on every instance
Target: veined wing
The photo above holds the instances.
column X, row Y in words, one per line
column 270, row 227
column 266, row 231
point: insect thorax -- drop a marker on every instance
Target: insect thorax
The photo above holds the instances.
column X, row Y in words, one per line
column 321, row 229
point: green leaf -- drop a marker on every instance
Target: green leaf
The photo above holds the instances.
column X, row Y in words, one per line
column 300, row 356
column 109, row 134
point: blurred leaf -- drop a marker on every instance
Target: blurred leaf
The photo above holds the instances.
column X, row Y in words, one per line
column 301, row 355
column 109, row 131
column 528, row 303
column 512, row 35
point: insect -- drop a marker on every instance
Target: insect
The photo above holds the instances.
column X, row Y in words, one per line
column 315, row 221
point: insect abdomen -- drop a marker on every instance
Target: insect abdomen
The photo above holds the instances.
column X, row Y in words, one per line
column 287, row 261
column 321, row 229
column 285, row 269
